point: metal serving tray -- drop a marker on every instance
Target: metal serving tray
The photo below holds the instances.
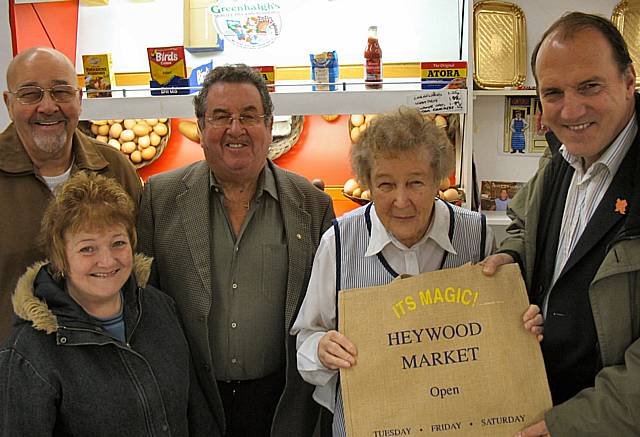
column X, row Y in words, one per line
column 500, row 44
column 626, row 17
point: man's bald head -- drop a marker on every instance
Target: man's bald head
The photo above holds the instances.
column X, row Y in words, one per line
column 27, row 57
column 44, row 123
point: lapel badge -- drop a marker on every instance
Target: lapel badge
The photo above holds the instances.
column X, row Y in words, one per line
column 621, row 206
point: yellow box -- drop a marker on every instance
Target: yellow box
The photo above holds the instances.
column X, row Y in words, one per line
column 165, row 63
column 98, row 75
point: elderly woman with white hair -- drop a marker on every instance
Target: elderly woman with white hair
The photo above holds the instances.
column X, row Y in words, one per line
column 400, row 158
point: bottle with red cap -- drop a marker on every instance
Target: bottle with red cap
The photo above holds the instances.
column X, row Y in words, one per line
column 373, row 61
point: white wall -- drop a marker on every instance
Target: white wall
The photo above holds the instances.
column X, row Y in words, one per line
column 6, row 53
column 409, row 31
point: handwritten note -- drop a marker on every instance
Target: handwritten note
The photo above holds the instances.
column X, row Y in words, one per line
column 443, row 100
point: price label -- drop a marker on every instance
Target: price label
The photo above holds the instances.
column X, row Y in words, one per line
column 443, row 100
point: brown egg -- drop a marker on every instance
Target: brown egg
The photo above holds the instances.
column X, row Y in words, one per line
column 94, row 129
column 330, row 117
column 129, row 123
column 141, row 129
column 144, row 142
column 103, row 130
column 355, row 134
column 102, row 138
column 357, row 192
column 136, row 157
column 161, row 129
column 115, row 130
column 127, row 135
column 366, row 194
column 441, row 121
column 148, row 153
column 450, row 195
column 154, row 139
column 115, row 143
column 357, row 119
column 349, row 186
column 128, row 147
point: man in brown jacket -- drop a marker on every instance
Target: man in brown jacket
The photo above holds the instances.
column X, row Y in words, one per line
column 39, row 150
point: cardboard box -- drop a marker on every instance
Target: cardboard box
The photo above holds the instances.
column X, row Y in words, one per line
column 165, row 63
column 98, row 75
column 268, row 73
column 438, row 75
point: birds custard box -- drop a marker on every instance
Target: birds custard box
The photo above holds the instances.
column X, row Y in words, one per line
column 165, row 63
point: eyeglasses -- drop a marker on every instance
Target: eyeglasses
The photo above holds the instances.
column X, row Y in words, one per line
column 31, row 94
column 225, row 120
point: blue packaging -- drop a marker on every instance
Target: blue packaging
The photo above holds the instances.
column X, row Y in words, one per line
column 195, row 80
column 325, row 69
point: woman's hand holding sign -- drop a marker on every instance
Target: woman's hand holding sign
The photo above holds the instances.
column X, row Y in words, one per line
column 335, row 351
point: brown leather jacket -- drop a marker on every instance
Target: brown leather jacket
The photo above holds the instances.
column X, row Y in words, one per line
column 24, row 197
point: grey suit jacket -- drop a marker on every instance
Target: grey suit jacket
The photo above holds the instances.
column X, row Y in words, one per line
column 173, row 228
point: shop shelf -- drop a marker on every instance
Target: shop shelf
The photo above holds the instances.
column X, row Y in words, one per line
column 286, row 102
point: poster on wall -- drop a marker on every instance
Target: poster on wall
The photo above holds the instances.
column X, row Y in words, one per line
column 248, row 24
column 523, row 129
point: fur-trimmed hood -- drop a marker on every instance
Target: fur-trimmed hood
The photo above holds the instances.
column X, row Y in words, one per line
column 32, row 309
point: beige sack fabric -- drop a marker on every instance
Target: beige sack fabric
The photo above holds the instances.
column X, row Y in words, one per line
column 442, row 354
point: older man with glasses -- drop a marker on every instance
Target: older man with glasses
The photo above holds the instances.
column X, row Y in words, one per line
column 39, row 150
column 233, row 238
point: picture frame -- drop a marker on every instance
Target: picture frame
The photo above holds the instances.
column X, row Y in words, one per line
column 497, row 195
column 524, row 133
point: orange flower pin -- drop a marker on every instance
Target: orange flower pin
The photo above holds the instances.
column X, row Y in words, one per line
column 621, row 206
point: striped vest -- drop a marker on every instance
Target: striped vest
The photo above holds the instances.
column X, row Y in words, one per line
column 467, row 232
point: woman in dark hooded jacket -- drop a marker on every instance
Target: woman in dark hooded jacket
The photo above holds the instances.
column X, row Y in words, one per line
column 95, row 351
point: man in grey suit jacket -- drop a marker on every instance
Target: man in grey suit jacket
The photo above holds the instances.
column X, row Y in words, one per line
column 233, row 239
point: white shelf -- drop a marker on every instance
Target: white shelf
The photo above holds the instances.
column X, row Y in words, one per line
column 285, row 103
column 497, row 218
column 504, row 92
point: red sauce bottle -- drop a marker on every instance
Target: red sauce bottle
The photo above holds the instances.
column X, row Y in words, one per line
column 373, row 60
